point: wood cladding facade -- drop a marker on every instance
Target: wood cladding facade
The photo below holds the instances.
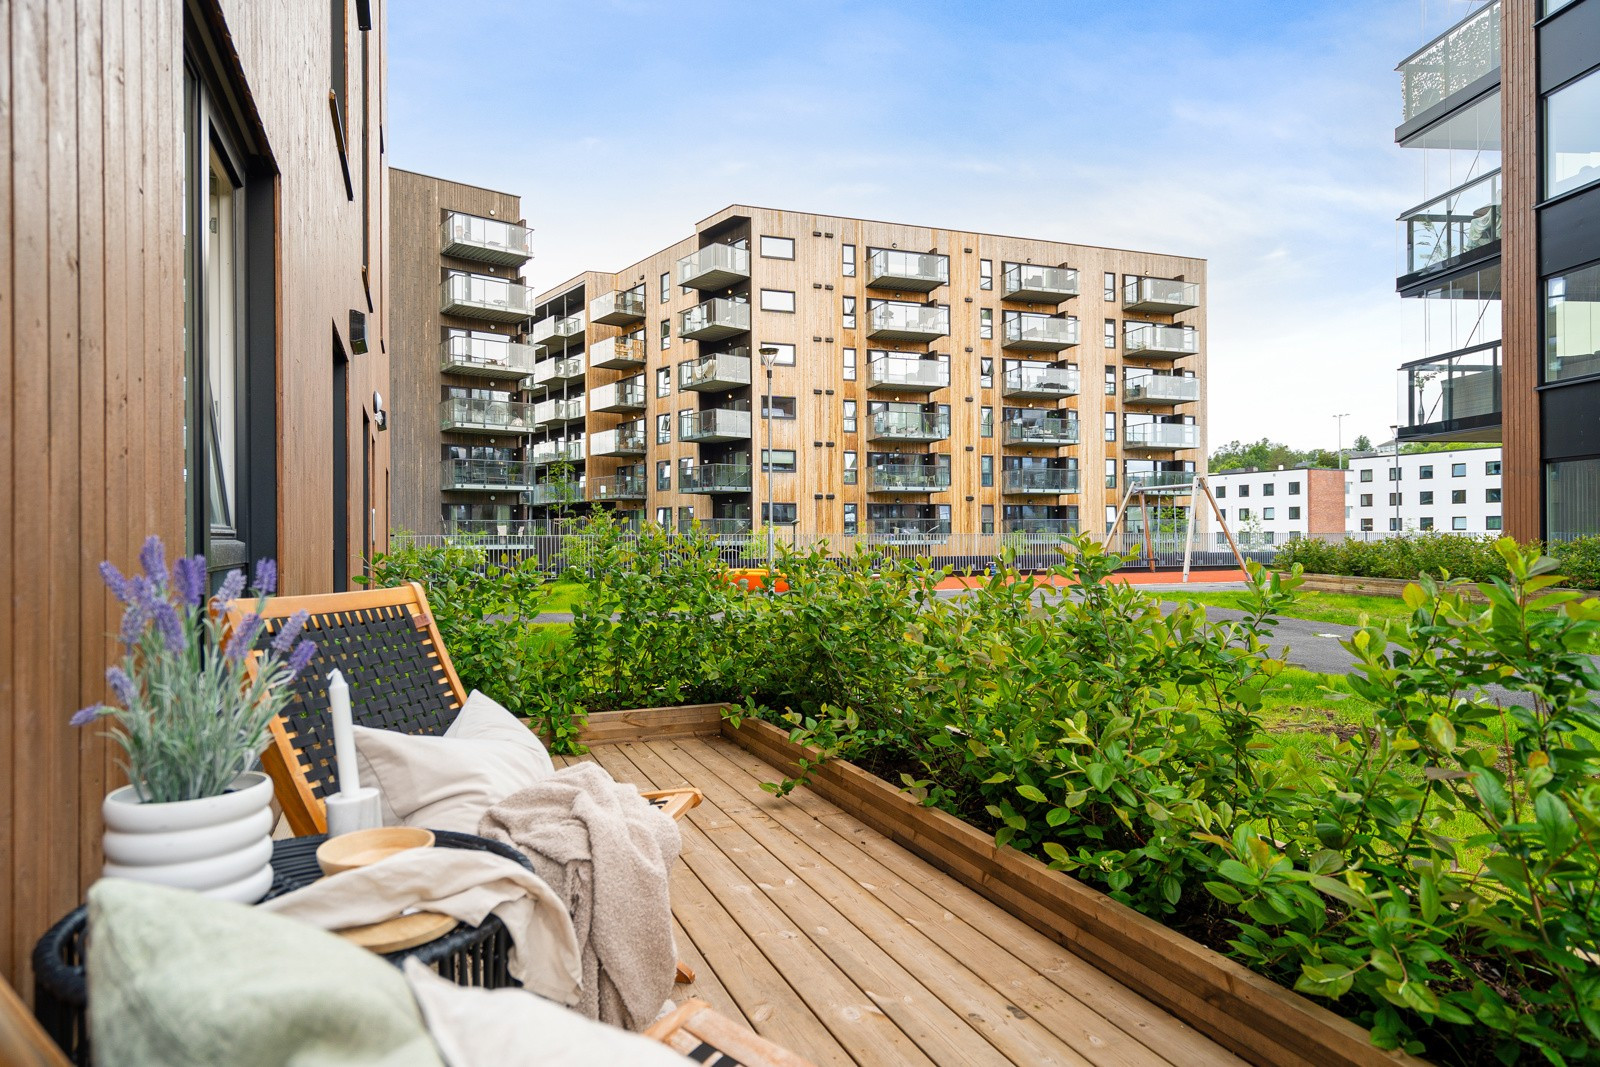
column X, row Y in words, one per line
column 92, row 316
column 1522, row 474
column 816, row 328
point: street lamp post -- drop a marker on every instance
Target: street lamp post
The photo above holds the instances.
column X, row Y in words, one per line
column 1338, row 421
column 1394, row 483
column 768, row 354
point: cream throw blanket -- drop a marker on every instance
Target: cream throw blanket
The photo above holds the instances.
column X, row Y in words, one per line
column 606, row 853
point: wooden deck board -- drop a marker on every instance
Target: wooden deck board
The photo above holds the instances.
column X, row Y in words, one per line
column 833, row 941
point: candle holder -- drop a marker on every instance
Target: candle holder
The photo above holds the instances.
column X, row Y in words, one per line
column 356, row 809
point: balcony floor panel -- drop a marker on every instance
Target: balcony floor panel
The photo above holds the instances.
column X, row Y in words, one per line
column 901, row 283
column 1036, row 345
column 1038, row 296
column 498, row 371
column 467, row 309
column 713, row 279
column 498, row 255
column 618, row 318
column 715, row 331
column 1034, row 393
column 1158, row 307
column 793, row 914
column 891, row 334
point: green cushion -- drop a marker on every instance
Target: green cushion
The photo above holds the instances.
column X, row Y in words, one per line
column 176, row 979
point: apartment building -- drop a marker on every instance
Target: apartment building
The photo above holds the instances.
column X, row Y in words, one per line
column 1500, row 257
column 895, row 381
column 461, row 418
column 1458, row 491
column 1269, row 507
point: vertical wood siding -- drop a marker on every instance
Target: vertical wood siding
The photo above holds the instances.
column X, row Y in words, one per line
column 1519, row 101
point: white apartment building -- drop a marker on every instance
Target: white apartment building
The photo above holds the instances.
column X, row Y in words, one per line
column 1269, row 507
column 1453, row 492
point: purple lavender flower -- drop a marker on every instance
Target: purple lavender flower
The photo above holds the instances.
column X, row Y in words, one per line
column 121, row 685
column 88, row 715
column 291, row 630
column 133, row 622
column 243, row 637
column 266, row 576
column 301, row 657
column 120, row 586
column 189, row 575
column 232, row 586
column 170, row 627
column 153, row 556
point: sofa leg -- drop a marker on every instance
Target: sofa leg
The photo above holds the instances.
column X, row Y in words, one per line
column 685, row 973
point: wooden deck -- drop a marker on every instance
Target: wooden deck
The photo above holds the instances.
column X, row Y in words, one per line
column 832, row 940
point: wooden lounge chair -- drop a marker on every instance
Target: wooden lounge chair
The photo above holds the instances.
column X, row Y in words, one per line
column 706, row 1036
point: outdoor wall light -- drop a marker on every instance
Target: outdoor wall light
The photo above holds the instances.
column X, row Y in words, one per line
column 380, row 417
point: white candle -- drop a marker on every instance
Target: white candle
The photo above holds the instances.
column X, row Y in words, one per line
column 344, row 738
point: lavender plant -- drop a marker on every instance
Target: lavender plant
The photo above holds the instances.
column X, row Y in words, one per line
column 191, row 718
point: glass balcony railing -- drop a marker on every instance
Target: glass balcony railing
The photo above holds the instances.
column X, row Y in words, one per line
column 1045, row 481
column 569, row 450
column 1040, row 430
column 714, row 320
column 1038, row 333
column 1041, row 380
column 714, row 424
column 1161, row 479
column 486, row 357
column 896, row 425
column 723, row 529
column 624, row 307
column 556, row 332
column 725, row 370
column 556, row 491
column 1041, row 529
column 464, row 415
column 899, row 320
column 625, row 440
column 1161, row 435
column 504, row 244
column 1038, row 285
column 1439, row 233
column 907, row 373
column 462, row 475
column 618, row 486
column 1453, row 396
column 714, row 267
column 1455, row 59
column 618, row 353
column 913, row 272
column 1161, row 296
column 478, row 297
column 626, row 395
column 552, row 412
column 908, row 477
column 1161, row 389
column 1156, row 341
column 715, row 478
column 909, row 531
column 551, row 372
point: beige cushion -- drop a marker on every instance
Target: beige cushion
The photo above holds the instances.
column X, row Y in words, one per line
column 179, row 979
column 514, row 1028
column 448, row 782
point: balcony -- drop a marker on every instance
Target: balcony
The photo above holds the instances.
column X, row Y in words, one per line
column 724, row 529
column 714, row 320
column 570, row 450
column 618, row 353
column 619, row 397
column 474, row 296
column 1155, row 480
column 464, row 415
column 1039, row 481
column 1160, row 435
column 555, row 333
column 486, row 357
column 505, row 244
column 1155, row 341
column 921, row 426
column 554, row 491
column 908, row 272
column 486, row 475
column 1161, row 389
column 1040, row 381
column 1039, row 430
column 1456, row 59
column 711, row 425
column 711, row 374
column 552, row 372
column 909, row 531
column 908, row 477
column 623, row 485
column 547, row 413
column 1455, row 397
column 716, row 478
column 1160, row 296
column 907, row 374
column 1038, row 285
column 900, row 320
column 1447, row 230
column 714, row 267
column 624, row 307
column 625, row 440
column 1027, row 331
column 1041, row 529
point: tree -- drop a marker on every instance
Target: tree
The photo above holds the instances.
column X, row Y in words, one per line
column 1267, row 455
column 1362, row 443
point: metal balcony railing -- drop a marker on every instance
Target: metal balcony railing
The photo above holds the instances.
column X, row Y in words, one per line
column 464, row 415
column 625, row 440
column 907, row 373
column 911, row 272
column 617, row 353
column 466, row 475
column 1455, row 59
column 1040, row 529
column 570, row 450
column 1452, row 395
column 556, row 332
column 1033, row 284
column 907, row 477
column 1161, row 479
column 486, row 357
column 624, row 396
column 555, row 491
column 726, row 528
column 621, row 307
column 714, row 267
column 551, row 412
column 617, row 486
column 1447, row 228
column 899, row 320
column 716, row 478
column 1044, row 481
column 909, row 531
column 714, row 424
column 479, row 297
column 550, row 372
column 504, row 244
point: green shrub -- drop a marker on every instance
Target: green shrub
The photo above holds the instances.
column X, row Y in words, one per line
column 1470, row 557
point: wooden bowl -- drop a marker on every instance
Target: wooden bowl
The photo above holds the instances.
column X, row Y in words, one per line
column 366, row 847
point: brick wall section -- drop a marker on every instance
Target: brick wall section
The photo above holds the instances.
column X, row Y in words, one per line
column 1324, row 502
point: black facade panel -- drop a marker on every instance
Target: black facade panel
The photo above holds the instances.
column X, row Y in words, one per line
column 1569, row 44
column 1570, row 421
column 1569, row 232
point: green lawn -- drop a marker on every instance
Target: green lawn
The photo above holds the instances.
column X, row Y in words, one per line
column 1340, row 608
column 563, row 595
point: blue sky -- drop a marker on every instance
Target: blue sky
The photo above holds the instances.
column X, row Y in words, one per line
column 1255, row 134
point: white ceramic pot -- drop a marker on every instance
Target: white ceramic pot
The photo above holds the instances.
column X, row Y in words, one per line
column 220, row 846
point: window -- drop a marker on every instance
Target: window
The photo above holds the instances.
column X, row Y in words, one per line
column 1425, row 472
column 1244, row 490
column 777, row 300
column 1110, row 336
column 1394, row 474
column 664, row 476
column 1111, row 381
column 1572, row 324
column 666, row 334
column 986, row 521
column 783, row 357
column 1223, row 512
column 986, row 421
column 1366, row 475
column 849, row 312
column 1222, row 492
column 1294, row 488
column 1244, row 514
column 1493, row 522
column 1459, row 522
column 849, row 364
column 685, row 518
column 986, row 471
column 1491, row 496
column 1394, row 525
column 666, row 286
column 1366, row 500
column 782, row 407
column 664, row 382
column 1268, row 514
column 1425, row 523
column 851, row 522
column 1294, row 513
column 1492, row 467
column 1394, row 500
column 985, row 324
column 777, row 247
column 779, row 514
column 1269, row 536
column 849, row 420
column 1110, row 286
column 1111, row 474
column 1269, row 489
column 847, row 260
column 1572, row 136
column 1458, row 470
column 1111, row 426
column 1571, row 498
column 664, row 428
column 1366, row 525
column 1425, row 498
column 850, row 469
column 663, row 517
column 985, row 274
column 778, row 460
column 1458, row 496
column 986, row 373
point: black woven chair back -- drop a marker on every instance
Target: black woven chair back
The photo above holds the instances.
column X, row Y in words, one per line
column 396, row 683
